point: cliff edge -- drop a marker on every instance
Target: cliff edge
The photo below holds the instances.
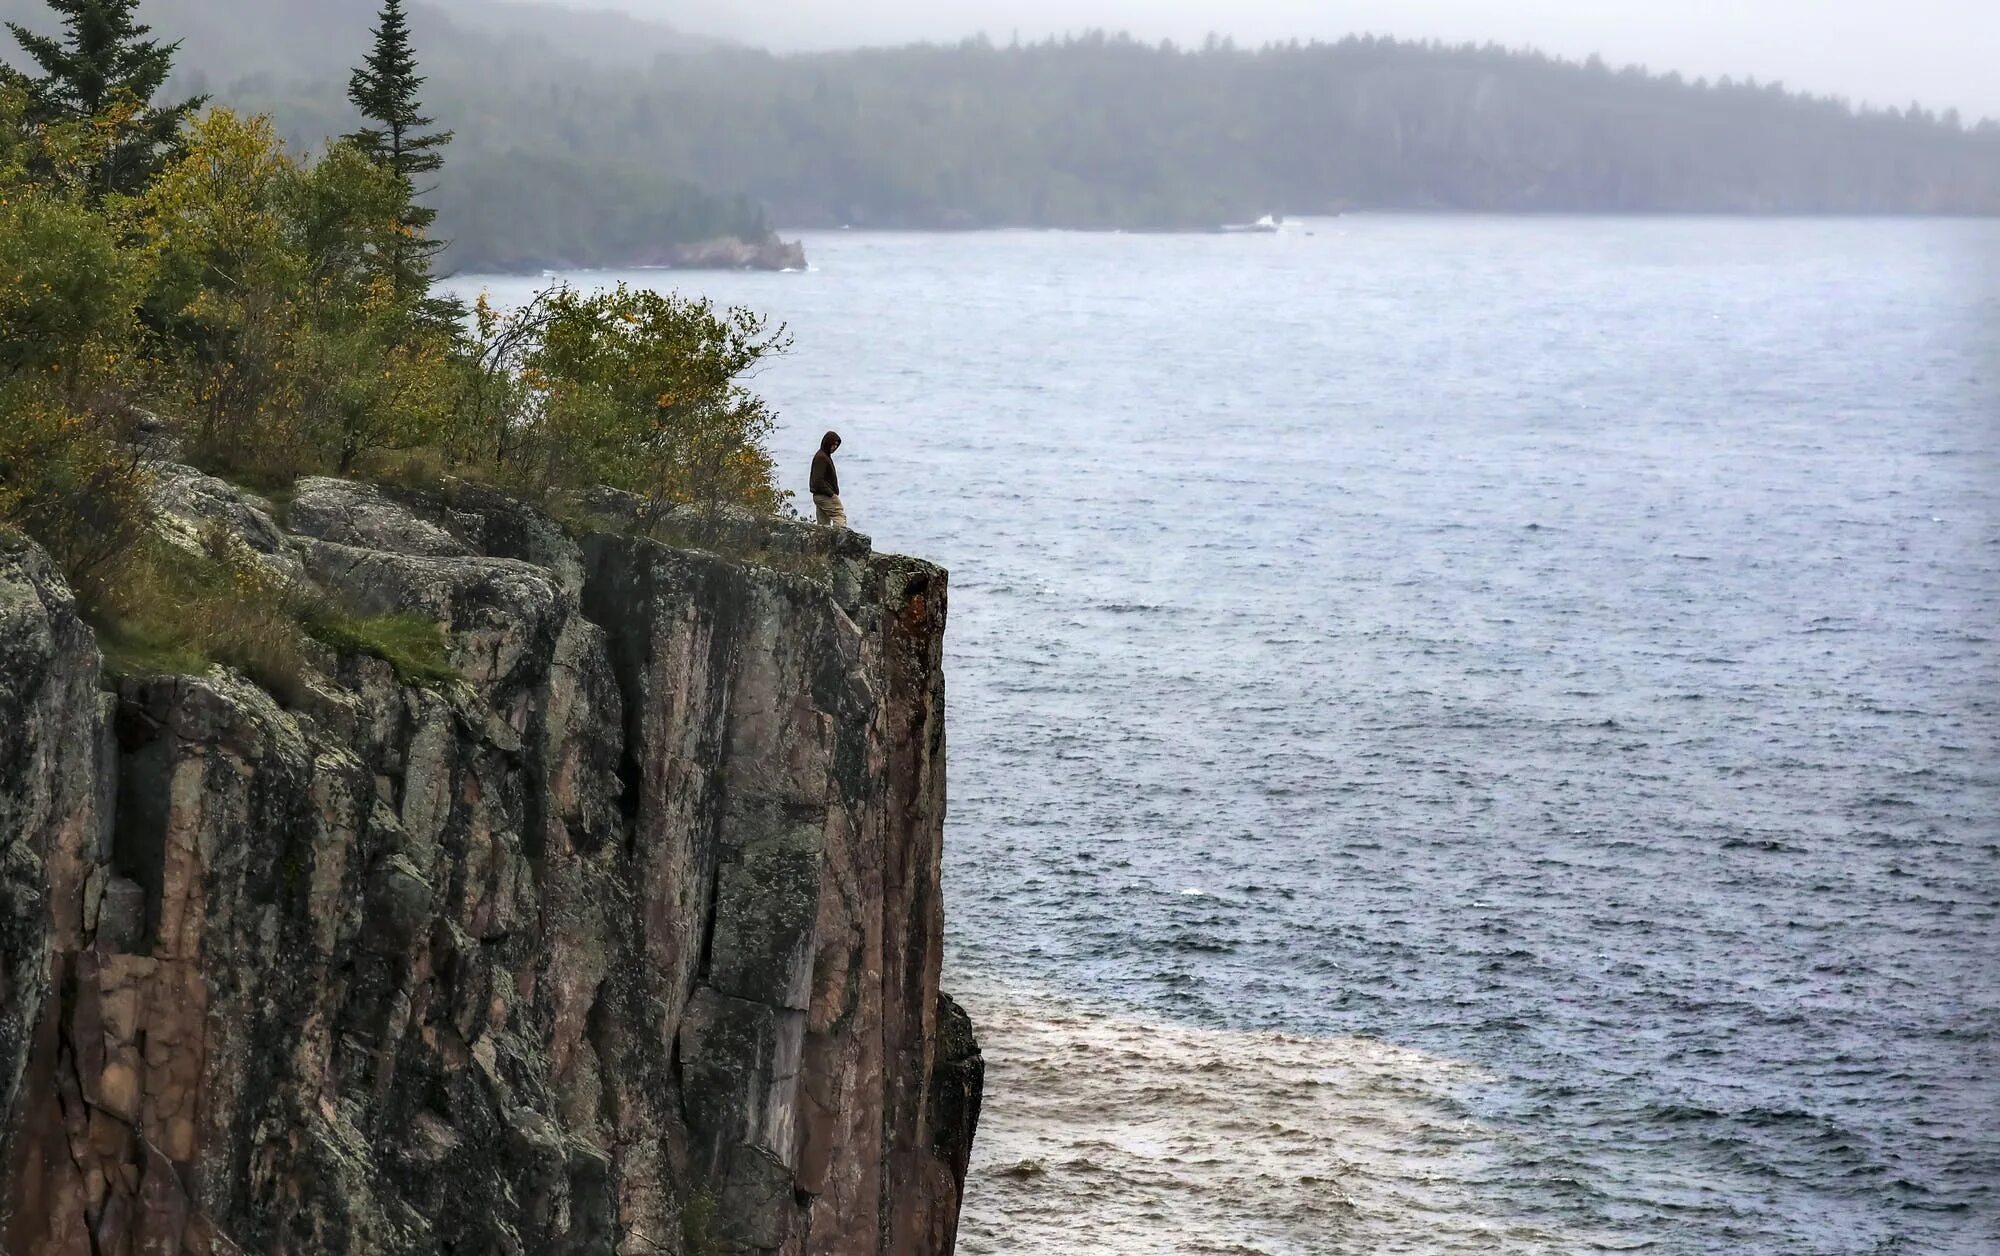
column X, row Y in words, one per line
column 627, row 942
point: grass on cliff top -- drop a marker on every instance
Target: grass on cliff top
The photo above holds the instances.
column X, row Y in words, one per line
column 411, row 644
column 171, row 611
column 147, row 649
column 175, row 612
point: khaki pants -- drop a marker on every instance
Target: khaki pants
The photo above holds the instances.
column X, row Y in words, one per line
column 831, row 513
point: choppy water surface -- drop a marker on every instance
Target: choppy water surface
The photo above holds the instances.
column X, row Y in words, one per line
column 1467, row 735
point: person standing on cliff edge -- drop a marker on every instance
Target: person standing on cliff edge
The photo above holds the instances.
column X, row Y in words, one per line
column 826, row 484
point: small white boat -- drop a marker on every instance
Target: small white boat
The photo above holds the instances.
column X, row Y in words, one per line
column 1269, row 224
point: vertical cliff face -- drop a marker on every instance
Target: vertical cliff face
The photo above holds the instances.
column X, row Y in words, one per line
column 628, row 943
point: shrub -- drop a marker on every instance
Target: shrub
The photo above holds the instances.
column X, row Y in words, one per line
column 285, row 342
column 68, row 476
column 66, row 291
column 224, row 303
column 71, row 485
column 644, row 391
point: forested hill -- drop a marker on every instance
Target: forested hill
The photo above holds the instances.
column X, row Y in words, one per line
column 587, row 139
column 1107, row 132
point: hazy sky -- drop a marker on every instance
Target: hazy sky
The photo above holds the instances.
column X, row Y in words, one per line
column 1942, row 52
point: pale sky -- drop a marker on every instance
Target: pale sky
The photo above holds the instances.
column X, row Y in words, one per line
column 1941, row 52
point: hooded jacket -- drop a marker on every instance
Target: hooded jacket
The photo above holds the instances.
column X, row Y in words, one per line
column 825, row 480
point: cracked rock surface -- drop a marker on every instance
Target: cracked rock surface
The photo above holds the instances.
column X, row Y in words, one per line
column 628, row 943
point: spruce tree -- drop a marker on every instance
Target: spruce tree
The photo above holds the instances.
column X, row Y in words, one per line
column 102, row 60
column 384, row 89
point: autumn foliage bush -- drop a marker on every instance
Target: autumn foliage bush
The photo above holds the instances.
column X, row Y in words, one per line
column 635, row 389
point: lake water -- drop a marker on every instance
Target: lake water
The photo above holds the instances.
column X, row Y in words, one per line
column 1466, row 734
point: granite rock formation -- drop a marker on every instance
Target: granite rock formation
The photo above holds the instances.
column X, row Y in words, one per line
column 629, row 942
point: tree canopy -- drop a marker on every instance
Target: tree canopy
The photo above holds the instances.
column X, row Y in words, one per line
column 102, row 67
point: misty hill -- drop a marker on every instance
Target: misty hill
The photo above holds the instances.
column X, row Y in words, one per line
column 597, row 138
column 225, row 42
column 1108, row 132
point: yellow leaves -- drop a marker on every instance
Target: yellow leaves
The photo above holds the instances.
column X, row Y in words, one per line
column 639, row 389
column 216, row 216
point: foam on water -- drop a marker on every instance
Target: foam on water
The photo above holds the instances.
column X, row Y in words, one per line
column 1130, row 1137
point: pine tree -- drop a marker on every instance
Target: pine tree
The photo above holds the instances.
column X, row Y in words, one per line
column 384, row 89
column 103, row 60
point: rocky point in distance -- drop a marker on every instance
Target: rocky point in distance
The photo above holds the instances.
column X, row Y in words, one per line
column 730, row 253
column 722, row 253
column 626, row 941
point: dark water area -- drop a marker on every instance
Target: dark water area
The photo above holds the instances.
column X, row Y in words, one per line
column 1564, row 650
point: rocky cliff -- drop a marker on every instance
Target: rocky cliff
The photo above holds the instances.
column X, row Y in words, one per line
column 628, row 942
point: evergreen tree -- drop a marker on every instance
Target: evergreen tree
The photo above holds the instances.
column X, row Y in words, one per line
column 384, row 89
column 103, row 60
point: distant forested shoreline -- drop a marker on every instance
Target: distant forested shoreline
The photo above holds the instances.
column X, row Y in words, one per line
column 571, row 152
column 1110, row 133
